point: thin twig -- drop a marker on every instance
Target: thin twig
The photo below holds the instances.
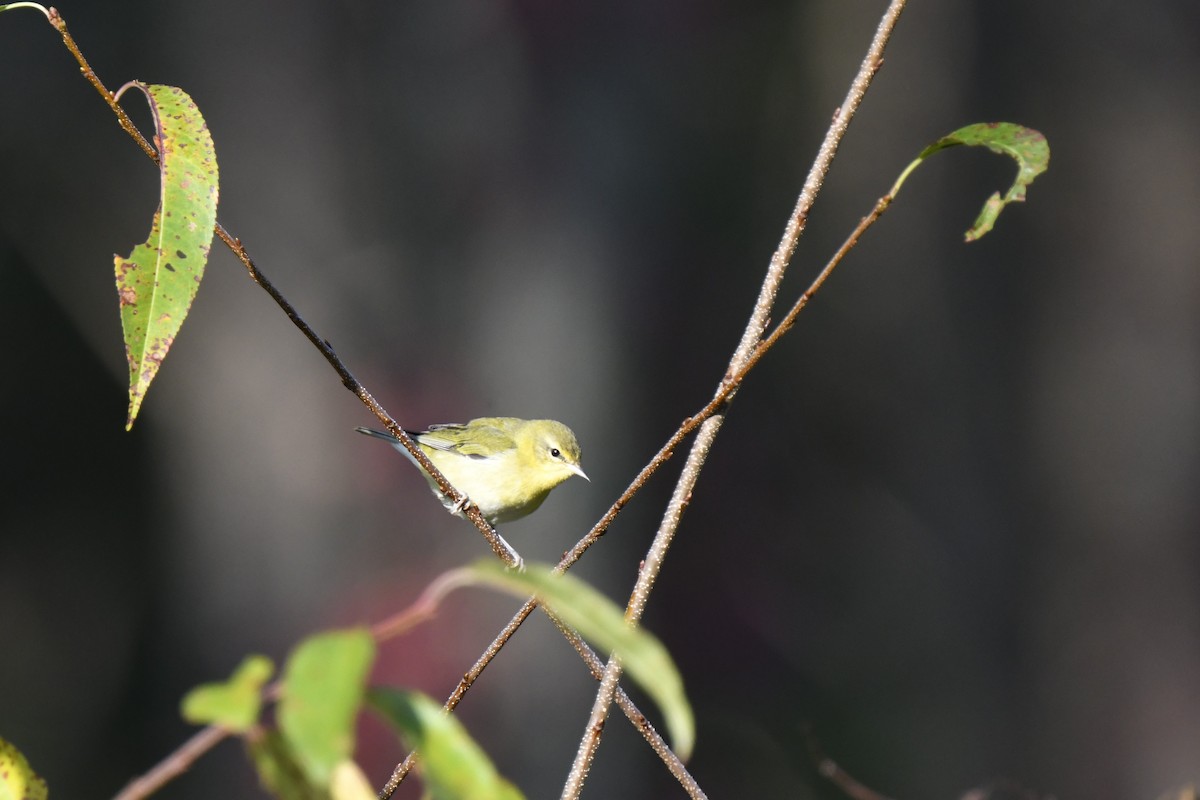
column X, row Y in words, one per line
column 90, row 76
column 881, row 205
column 400, row 772
column 595, row 665
column 498, row 545
column 421, row 609
column 652, row 737
column 173, row 765
column 664, row 454
column 612, row 671
column 751, row 340
column 829, row 769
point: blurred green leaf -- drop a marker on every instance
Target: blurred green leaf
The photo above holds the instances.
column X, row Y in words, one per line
column 349, row 783
column 157, row 283
column 321, row 692
column 1026, row 146
column 234, row 704
column 17, row 779
column 452, row 765
column 278, row 771
column 602, row 622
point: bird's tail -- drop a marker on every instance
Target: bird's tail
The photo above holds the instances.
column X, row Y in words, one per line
column 387, row 437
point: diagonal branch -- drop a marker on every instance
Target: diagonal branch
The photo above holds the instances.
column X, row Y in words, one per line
column 499, row 546
column 751, row 339
column 178, row 761
column 750, row 350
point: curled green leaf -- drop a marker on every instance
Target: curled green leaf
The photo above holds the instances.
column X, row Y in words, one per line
column 452, row 765
column 234, row 704
column 1026, row 146
column 158, row 281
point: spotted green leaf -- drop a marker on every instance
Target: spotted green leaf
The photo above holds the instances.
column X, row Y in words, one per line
column 452, row 765
column 1026, row 146
column 158, row 281
column 17, row 779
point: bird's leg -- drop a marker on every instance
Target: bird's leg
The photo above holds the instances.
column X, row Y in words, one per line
column 459, row 508
column 515, row 557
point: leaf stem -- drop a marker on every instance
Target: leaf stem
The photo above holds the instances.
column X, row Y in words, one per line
column 38, row 6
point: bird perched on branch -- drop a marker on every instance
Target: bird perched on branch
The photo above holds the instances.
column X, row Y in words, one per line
column 504, row 465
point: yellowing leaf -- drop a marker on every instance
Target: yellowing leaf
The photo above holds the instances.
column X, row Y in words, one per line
column 158, row 281
column 17, row 779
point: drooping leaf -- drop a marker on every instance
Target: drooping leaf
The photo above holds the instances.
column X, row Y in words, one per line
column 1026, row 146
column 17, row 779
column 323, row 684
column 602, row 622
column 451, row 764
column 158, row 281
column 233, row 704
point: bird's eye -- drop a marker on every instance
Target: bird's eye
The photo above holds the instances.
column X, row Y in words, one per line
column 555, row 452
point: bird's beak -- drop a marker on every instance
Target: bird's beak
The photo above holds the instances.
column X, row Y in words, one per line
column 579, row 471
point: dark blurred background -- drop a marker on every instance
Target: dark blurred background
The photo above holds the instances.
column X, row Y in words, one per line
column 951, row 522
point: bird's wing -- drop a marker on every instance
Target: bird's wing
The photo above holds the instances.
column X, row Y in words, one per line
column 473, row 440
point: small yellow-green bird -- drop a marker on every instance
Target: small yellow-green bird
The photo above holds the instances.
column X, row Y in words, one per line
column 504, row 465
